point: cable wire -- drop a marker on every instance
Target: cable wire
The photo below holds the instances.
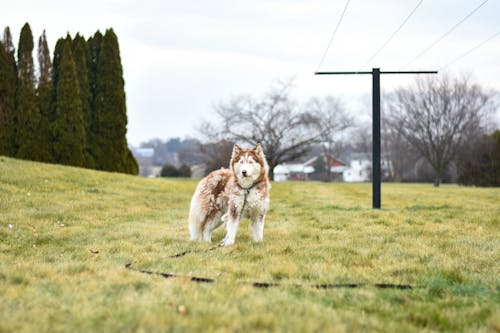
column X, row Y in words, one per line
column 444, row 35
column 463, row 55
column 392, row 36
column 333, row 35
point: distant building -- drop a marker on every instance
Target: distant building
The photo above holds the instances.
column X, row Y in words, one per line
column 312, row 169
column 296, row 171
column 359, row 169
column 320, row 163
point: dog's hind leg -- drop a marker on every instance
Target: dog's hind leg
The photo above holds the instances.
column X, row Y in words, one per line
column 209, row 227
column 207, row 230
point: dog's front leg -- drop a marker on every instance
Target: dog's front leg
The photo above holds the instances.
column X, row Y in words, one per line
column 232, row 223
column 231, row 230
column 258, row 228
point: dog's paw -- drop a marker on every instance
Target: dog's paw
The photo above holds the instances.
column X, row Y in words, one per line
column 226, row 242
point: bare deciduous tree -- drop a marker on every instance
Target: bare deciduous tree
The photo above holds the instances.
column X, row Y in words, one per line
column 217, row 154
column 330, row 120
column 275, row 121
column 438, row 116
column 400, row 155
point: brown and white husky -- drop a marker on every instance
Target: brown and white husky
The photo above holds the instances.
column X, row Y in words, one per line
column 227, row 195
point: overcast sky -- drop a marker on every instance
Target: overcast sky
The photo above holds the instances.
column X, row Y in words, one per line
column 182, row 57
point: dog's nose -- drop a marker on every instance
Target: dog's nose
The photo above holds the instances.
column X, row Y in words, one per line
column 244, row 173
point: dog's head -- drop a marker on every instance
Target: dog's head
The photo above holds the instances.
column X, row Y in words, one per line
column 249, row 165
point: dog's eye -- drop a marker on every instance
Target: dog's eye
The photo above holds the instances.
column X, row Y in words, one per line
column 240, row 161
column 251, row 162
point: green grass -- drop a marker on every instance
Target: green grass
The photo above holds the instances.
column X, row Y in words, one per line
column 66, row 235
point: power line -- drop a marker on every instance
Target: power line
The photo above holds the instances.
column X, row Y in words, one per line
column 392, row 36
column 444, row 35
column 463, row 55
column 333, row 35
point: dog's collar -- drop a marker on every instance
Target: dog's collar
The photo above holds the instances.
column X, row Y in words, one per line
column 247, row 189
column 247, row 192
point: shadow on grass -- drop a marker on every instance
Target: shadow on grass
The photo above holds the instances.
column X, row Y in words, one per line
column 347, row 209
column 427, row 207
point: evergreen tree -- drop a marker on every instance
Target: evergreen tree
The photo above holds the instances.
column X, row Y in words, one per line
column 479, row 162
column 68, row 129
column 80, row 56
column 131, row 164
column 8, row 82
column 56, row 64
column 111, row 151
column 7, row 41
column 44, row 93
column 94, row 48
column 27, row 112
column 94, row 45
column 56, row 60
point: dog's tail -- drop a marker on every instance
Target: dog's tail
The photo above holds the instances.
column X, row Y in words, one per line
column 195, row 222
column 195, row 233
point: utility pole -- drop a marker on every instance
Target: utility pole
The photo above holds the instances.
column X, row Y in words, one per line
column 376, row 142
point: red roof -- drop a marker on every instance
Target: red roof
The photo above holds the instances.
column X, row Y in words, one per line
column 332, row 161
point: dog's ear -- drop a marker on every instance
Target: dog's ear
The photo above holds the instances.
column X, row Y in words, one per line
column 258, row 149
column 236, row 150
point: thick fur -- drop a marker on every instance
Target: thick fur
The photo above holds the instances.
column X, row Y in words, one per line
column 227, row 195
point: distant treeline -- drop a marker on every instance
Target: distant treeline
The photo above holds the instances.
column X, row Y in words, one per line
column 72, row 110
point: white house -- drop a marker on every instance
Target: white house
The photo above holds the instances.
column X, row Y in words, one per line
column 360, row 168
column 358, row 171
column 306, row 171
column 283, row 172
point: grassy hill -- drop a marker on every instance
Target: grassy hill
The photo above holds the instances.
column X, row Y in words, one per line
column 67, row 233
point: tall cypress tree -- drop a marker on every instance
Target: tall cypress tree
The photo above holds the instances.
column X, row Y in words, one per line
column 8, row 80
column 56, row 60
column 131, row 165
column 56, row 64
column 80, row 56
column 68, row 127
column 27, row 112
column 94, row 45
column 44, row 93
column 112, row 153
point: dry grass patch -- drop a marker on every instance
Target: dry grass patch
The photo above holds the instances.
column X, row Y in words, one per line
column 66, row 234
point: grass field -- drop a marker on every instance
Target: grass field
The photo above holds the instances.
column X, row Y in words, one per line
column 66, row 235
